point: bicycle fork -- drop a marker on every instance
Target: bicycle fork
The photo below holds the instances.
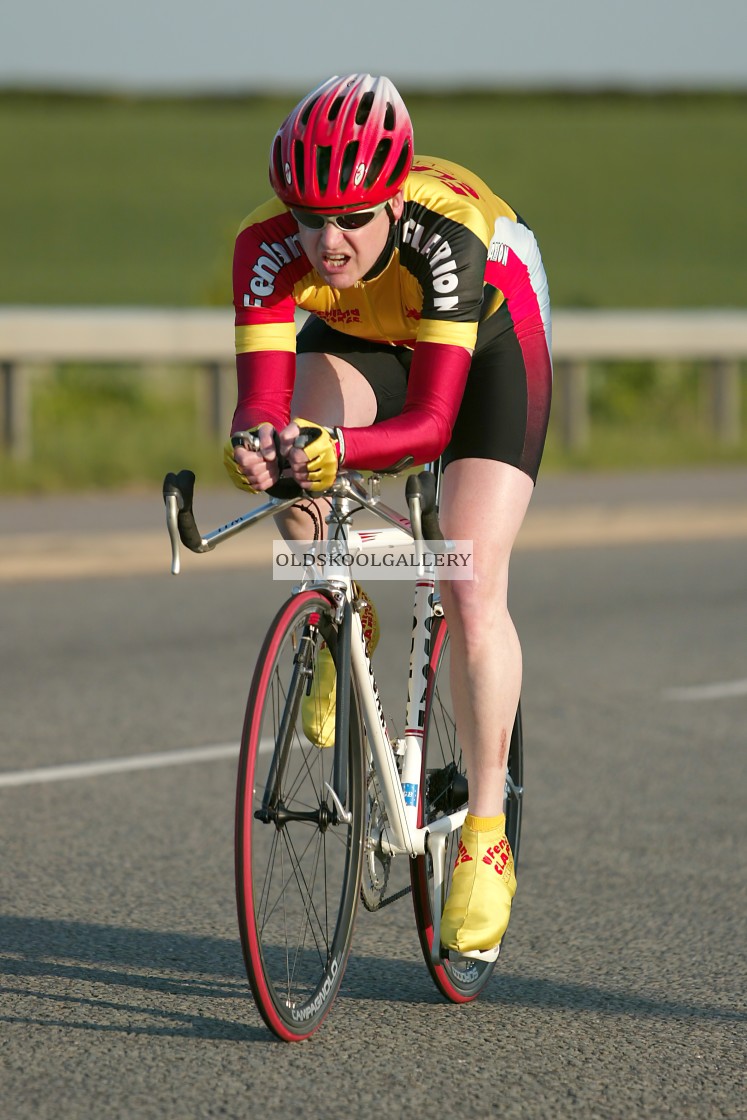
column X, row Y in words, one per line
column 272, row 808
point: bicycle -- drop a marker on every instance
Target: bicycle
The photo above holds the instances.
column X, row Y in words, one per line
column 318, row 827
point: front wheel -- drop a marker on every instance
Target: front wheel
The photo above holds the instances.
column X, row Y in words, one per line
column 298, row 856
column 443, row 789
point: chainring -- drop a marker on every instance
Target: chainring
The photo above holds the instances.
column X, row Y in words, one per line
column 376, row 864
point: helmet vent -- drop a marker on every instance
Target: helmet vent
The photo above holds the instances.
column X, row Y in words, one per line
column 363, row 111
column 323, row 160
column 307, row 110
column 389, row 118
column 404, row 157
column 379, row 159
column 298, row 166
column 348, row 163
column 277, row 160
column 334, row 109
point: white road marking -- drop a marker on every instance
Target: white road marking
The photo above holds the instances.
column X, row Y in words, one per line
column 718, row 691
column 72, row 770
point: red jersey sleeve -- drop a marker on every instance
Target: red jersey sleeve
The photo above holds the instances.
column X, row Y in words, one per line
column 268, row 262
column 435, row 388
column 265, row 387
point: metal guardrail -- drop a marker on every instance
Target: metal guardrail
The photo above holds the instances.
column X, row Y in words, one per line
column 204, row 337
column 715, row 339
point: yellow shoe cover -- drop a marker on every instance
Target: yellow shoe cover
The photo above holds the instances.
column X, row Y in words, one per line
column 483, row 884
column 318, row 708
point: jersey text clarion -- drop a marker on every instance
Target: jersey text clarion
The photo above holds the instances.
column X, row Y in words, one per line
column 441, row 261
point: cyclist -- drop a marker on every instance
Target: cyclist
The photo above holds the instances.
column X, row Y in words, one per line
column 428, row 335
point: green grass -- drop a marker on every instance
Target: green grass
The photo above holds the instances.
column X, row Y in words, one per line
column 637, row 201
column 645, row 416
column 109, row 428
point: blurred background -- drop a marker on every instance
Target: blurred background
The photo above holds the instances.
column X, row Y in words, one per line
column 135, row 139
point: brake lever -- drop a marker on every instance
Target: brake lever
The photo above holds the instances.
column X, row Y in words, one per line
column 249, row 440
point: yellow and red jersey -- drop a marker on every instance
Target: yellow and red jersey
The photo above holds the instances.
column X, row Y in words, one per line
column 457, row 255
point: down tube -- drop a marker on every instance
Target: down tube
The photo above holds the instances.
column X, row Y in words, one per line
column 422, row 624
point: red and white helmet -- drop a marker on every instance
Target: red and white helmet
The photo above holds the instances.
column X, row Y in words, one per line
column 346, row 145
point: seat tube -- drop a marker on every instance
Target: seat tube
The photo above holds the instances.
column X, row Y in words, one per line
column 378, row 741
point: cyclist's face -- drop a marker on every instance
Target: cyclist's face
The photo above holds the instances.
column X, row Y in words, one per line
column 343, row 257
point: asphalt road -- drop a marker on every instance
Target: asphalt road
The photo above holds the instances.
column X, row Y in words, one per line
column 621, row 989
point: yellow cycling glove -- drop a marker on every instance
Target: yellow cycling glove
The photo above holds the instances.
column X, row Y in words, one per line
column 232, row 467
column 324, row 454
column 233, row 470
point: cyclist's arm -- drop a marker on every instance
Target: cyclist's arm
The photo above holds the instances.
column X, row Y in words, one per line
column 266, row 263
column 438, row 374
column 265, row 387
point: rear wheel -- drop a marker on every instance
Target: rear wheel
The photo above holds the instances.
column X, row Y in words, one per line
column 443, row 789
column 298, row 859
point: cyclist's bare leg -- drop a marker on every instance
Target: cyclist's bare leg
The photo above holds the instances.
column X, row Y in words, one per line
column 328, row 391
column 484, row 501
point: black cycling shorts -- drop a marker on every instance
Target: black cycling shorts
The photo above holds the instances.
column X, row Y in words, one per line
column 506, row 405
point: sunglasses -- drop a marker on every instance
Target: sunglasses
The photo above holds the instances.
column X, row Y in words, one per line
column 355, row 219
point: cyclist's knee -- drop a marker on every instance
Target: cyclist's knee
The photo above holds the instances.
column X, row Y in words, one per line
column 475, row 606
column 331, row 391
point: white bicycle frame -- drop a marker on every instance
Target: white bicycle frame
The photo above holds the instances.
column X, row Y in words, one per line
column 399, row 793
column 399, row 790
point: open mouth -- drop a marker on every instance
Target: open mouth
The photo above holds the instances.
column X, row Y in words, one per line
column 334, row 261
